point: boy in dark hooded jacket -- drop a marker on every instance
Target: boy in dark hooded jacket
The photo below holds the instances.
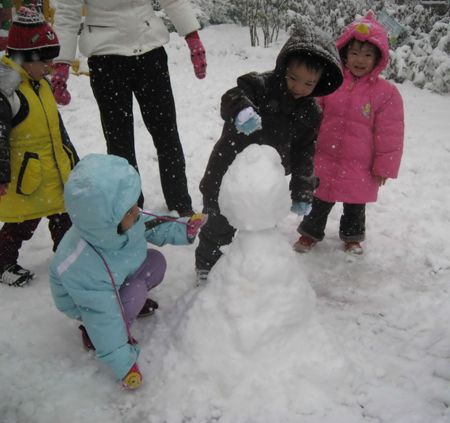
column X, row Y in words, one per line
column 275, row 108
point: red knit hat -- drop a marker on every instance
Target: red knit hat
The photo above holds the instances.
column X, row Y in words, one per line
column 31, row 38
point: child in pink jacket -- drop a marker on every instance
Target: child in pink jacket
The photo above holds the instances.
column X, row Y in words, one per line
column 360, row 141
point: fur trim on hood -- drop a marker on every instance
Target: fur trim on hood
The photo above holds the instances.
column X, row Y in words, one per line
column 9, row 79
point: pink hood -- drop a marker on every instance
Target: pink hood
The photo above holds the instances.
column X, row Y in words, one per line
column 368, row 29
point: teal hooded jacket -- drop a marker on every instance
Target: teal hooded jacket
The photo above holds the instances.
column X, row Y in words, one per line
column 99, row 192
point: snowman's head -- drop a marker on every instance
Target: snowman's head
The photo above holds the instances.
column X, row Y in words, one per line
column 254, row 194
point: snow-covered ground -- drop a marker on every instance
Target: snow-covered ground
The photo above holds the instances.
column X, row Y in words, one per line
column 378, row 350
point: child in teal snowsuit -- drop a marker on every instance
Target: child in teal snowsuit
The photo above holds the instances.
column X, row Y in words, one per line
column 102, row 269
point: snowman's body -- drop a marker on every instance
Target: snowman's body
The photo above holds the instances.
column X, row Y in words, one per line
column 252, row 330
column 254, row 197
column 258, row 286
column 263, row 287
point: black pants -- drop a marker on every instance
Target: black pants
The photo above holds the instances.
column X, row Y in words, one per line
column 114, row 80
column 12, row 235
column 352, row 225
column 213, row 235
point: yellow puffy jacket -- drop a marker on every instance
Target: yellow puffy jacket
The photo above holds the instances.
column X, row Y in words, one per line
column 39, row 161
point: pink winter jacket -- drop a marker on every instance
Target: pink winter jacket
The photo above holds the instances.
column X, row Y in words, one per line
column 362, row 129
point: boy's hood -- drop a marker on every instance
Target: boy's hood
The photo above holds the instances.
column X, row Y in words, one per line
column 368, row 29
column 100, row 190
column 313, row 40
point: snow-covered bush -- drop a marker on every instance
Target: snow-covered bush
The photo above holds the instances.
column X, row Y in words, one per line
column 421, row 53
column 330, row 15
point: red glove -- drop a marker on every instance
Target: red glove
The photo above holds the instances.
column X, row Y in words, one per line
column 133, row 378
column 195, row 223
column 59, row 83
column 198, row 55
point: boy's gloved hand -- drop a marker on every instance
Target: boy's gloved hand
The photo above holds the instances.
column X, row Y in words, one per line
column 248, row 121
column 194, row 224
column 198, row 55
column 59, row 83
column 301, row 208
column 133, row 378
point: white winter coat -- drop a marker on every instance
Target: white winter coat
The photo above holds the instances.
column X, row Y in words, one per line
column 122, row 27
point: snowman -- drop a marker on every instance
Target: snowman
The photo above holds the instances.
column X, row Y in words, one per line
column 259, row 273
column 252, row 330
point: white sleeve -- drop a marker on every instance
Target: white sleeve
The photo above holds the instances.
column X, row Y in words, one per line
column 68, row 17
column 182, row 15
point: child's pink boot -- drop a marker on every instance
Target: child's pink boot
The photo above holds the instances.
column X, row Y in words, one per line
column 353, row 248
column 304, row 244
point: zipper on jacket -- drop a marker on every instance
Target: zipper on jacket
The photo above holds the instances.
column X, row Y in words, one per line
column 344, row 129
column 51, row 137
column 352, row 84
column 93, row 26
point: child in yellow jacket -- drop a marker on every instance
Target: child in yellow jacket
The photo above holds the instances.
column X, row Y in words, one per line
column 36, row 155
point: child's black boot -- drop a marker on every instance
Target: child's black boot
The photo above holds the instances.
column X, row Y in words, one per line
column 13, row 274
column 149, row 308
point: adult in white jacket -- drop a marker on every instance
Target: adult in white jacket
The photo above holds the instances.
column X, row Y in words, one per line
column 123, row 40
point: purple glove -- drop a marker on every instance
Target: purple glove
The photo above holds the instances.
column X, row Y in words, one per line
column 59, row 83
column 194, row 224
column 198, row 55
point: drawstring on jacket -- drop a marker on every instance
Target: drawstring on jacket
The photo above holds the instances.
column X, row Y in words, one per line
column 131, row 340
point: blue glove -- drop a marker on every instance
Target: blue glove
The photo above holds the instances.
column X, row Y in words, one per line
column 301, row 208
column 248, row 121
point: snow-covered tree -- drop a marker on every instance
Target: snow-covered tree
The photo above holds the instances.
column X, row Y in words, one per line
column 421, row 53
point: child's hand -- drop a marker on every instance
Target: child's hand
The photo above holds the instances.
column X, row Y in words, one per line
column 380, row 180
column 3, row 189
column 198, row 55
column 194, row 224
column 301, row 208
column 59, row 83
column 133, row 378
column 248, row 121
